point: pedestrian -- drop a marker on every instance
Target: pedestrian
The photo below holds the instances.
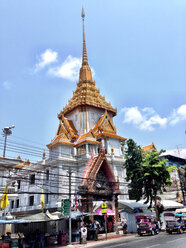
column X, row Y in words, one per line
column 41, row 240
column 109, row 226
column 59, row 237
column 95, row 228
column 124, row 225
column 83, row 234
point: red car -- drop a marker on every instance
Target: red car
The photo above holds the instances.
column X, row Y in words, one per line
column 146, row 224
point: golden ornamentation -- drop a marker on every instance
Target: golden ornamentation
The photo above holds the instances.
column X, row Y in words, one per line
column 44, row 154
column 86, row 93
column 92, row 172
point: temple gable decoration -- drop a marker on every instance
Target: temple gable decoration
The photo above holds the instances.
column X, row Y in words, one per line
column 105, row 124
column 99, row 177
column 87, row 138
column 66, row 133
column 105, row 128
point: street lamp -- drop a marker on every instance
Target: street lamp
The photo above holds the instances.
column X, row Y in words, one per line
column 6, row 131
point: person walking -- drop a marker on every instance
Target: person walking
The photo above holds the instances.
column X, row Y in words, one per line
column 124, row 225
column 95, row 228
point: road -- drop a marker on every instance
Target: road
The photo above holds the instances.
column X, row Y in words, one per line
column 162, row 240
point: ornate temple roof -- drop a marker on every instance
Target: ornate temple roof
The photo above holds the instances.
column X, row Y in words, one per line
column 149, row 147
column 91, row 172
column 86, row 92
column 68, row 135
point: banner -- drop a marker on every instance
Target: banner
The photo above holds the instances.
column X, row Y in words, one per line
column 65, row 204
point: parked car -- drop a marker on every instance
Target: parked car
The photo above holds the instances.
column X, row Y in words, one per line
column 147, row 224
column 175, row 222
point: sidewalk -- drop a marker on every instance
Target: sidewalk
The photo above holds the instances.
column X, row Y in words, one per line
column 101, row 240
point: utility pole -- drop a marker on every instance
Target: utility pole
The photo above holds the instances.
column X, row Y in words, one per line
column 6, row 131
column 70, row 220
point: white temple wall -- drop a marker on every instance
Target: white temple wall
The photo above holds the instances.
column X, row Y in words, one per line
column 60, row 151
column 114, row 143
column 94, row 115
column 90, row 117
column 58, row 181
column 74, row 116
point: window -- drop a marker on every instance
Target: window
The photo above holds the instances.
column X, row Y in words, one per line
column 12, row 204
column 81, row 150
column 47, row 175
column 18, row 184
column 32, row 179
column 31, row 200
column 17, row 203
column 46, row 198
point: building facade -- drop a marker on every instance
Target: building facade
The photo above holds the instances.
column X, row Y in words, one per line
column 86, row 155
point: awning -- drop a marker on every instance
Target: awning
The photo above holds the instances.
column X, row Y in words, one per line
column 181, row 210
column 75, row 215
column 40, row 217
column 131, row 204
column 171, row 204
column 109, row 211
column 13, row 221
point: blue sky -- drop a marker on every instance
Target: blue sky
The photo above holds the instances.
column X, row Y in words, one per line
column 136, row 49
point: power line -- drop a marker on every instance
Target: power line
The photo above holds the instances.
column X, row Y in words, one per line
column 56, row 174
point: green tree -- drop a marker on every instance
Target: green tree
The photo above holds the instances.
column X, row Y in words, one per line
column 147, row 173
column 134, row 170
column 156, row 176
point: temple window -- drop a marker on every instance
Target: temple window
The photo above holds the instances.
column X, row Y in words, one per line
column 12, row 204
column 32, row 179
column 19, row 184
column 105, row 145
column 17, row 203
column 47, row 175
column 81, row 150
column 90, row 148
column 46, row 200
column 31, row 200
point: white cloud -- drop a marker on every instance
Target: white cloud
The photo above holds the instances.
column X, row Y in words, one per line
column 45, row 59
column 148, row 110
column 149, row 124
column 178, row 115
column 132, row 115
column 145, row 119
column 7, row 85
column 68, row 70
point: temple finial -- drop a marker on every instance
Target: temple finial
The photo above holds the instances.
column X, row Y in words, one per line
column 83, row 13
column 85, row 71
column 84, row 59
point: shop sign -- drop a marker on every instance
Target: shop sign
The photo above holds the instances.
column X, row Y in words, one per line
column 104, row 208
column 65, row 204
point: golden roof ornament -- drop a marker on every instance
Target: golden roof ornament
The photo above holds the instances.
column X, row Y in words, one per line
column 85, row 71
column 86, row 92
column 19, row 158
column 44, row 154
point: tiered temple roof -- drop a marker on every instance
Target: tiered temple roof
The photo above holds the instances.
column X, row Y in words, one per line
column 86, row 92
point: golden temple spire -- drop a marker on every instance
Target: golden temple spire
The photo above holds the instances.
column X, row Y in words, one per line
column 84, row 58
column 85, row 71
